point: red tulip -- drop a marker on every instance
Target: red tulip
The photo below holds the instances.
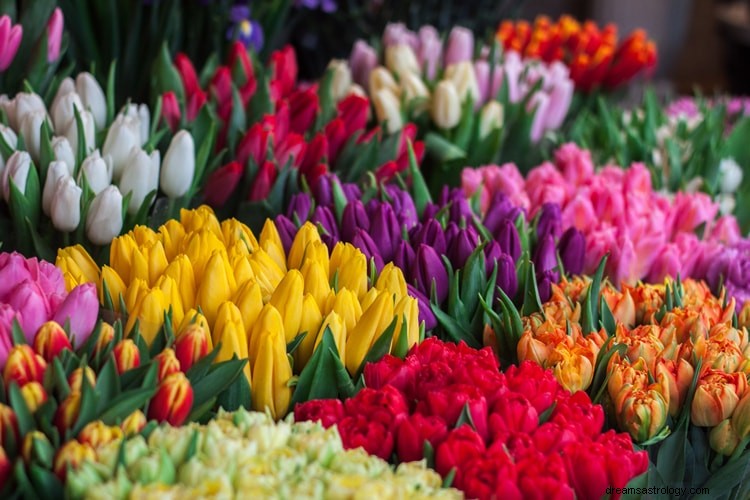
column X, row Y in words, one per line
column 170, row 110
column 8, row 425
column 461, row 445
column 414, row 431
column 167, row 362
column 353, row 111
column 253, row 145
column 373, row 436
column 512, row 413
column 492, row 476
column 317, row 172
column 386, row 405
column 239, row 62
column 280, row 122
column 221, row 183
column 67, row 413
column 292, row 147
column 337, row 134
column 23, row 366
column 127, row 356
column 187, row 73
column 303, row 108
column 284, row 79
column 263, row 182
column 173, row 400
column 387, row 171
column 326, row 411
column 50, row 340
column 195, row 103
column 315, row 152
column 191, row 346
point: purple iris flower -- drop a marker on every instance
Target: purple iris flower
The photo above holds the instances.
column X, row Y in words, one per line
column 243, row 29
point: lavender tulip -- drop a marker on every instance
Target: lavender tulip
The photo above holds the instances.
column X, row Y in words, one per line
column 362, row 61
column 460, row 46
column 430, row 50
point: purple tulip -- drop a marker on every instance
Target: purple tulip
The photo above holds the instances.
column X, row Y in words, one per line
column 461, row 247
column 506, row 275
column 385, row 230
column 351, row 192
column 450, row 233
column 403, row 205
column 488, row 90
column 430, row 271
column 430, row 211
column 287, row 231
column 300, row 205
column 544, row 255
column 404, row 257
column 362, row 60
column 81, row 308
column 399, row 34
column 324, row 216
column 507, row 237
column 460, row 46
column 431, row 233
column 368, row 247
column 572, row 248
column 544, row 284
column 322, row 191
column 354, row 217
column 425, row 311
column 550, row 221
column 500, row 208
column 492, row 254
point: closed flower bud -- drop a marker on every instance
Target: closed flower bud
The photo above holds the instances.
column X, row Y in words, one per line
column 391, row 279
column 104, row 218
column 173, row 400
column 338, row 331
column 351, row 265
column 460, row 46
column 731, row 175
column 307, row 234
column 67, row 413
column 149, row 312
column 179, row 165
column 406, row 311
column 382, row 79
column 229, row 335
column 414, row 88
column 33, row 395
column 127, row 356
column 71, row 455
column 723, row 438
column 63, row 110
column 133, row 423
column 97, row 171
column 191, row 346
column 89, row 134
column 106, row 335
column 63, row 152
column 311, row 320
column 50, row 340
column 171, row 291
column 16, row 173
column 33, row 443
column 388, row 109
column 287, row 298
column 140, row 176
column 375, row 319
column 217, row 286
column 199, row 247
column 57, row 170
column 271, row 374
column 342, row 79
column 490, row 118
column 270, row 242
column 316, row 281
column 446, row 106
column 75, row 380
column 23, row 366
column 167, row 362
column 269, row 320
column 267, row 273
column 8, row 425
column 643, row 413
column 741, row 417
column 401, row 60
column 31, row 130
column 93, row 98
column 97, row 434
column 463, row 77
column 65, row 209
column 142, row 114
column 123, row 135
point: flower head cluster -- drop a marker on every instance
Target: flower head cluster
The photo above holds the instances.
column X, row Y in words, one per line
column 484, row 426
column 594, row 55
column 249, row 454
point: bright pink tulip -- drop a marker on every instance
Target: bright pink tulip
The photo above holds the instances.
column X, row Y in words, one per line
column 574, row 163
column 81, row 308
column 691, row 210
column 460, row 46
column 7, row 315
column 15, row 268
column 170, row 110
column 54, row 35
column 725, row 230
column 544, row 184
column 28, row 299
column 10, row 39
column 430, row 50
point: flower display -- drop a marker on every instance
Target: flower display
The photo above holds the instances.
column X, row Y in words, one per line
column 452, row 405
column 247, row 453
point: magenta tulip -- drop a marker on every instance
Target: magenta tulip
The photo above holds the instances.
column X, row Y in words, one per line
column 81, row 308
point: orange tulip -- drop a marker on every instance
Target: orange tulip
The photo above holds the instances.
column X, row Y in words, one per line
column 716, row 397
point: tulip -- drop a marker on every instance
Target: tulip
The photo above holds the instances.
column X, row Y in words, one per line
column 307, row 234
column 365, row 243
column 123, row 135
column 75, row 380
column 62, row 151
column 677, row 376
column 312, row 318
column 104, row 218
column 31, row 130
column 741, row 417
column 149, row 313
column 507, row 278
column 382, row 79
column 171, row 291
column 191, row 346
column 263, row 182
column 57, row 171
column 353, row 218
column 133, row 423
column 5, row 465
column 363, row 60
column 642, row 412
column 106, row 335
column 391, row 279
column 716, row 397
column 127, row 356
column 141, row 113
column 97, row 434
column 170, row 110
column 140, row 177
column 373, row 323
column 429, row 271
column 179, row 165
column 16, row 173
column 67, row 413
column 388, row 110
column 463, row 77
column 173, row 400
column 50, row 340
column 222, row 182
column 93, row 98
column 571, row 247
column 406, row 311
column 8, row 425
column 54, row 35
column 10, row 39
column 71, row 455
column 271, row 374
column 217, row 286
column 33, row 395
column 351, row 266
column 338, row 331
column 401, row 60
column 287, row 298
column 89, row 134
column 490, row 118
column 65, row 207
column 63, row 109
column 723, row 438
column 269, row 320
column 446, row 106
column 97, row 171
column 460, row 46
column 341, row 80
column 167, row 362
column 23, row 104
column 23, row 366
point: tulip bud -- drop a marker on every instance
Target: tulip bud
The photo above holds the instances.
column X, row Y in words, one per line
column 57, row 170
column 643, row 413
column 106, row 335
column 71, row 455
column 351, row 265
column 63, row 110
column 460, row 46
column 34, row 395
column 65, row 208
column 127, row 356
column 342, row 79
column 191, row 345
column 271, row 374
column 338, row 331
column 23, row 366
column 463, row 77
column 8, row 425
column 741, row 417
column 54, row 34
column 93, row 98
column 31, row 130
column 270, row 241
column 97, row 434
column 104, row 218
column 50, row 340
column 173, row 400
column 446, row 106
column 97, row 171
column 401, row 60
column 287, row 298
column 311, row 320
column 143, row 117
column 75, row 380
column 123, row 135
column 16, row 172
column 307, row 234
column 406, row 311
column 133, row 423
column 179, row 165
column 64, row 152
column 731, row 175
column 89, row 134
column 149, row 312
column 362, row 60
column 391, row 279
column 35, row 447
column 140, row 177
column 67, row 413
column 490, row 118
column 167, row 362
column 217, row 286
column 375, row 319
column 414, row 88
column 388, row 110
column 316, row 281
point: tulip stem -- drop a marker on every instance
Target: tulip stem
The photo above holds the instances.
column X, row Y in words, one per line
column 66, row 239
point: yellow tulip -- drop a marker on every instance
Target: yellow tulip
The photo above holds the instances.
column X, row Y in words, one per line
column 236, row 232
column 392, row 280
column 143, row 235
column 267, row 273
column 199, row 246
column 346, row 305
column 351, row 266
column 115, row 286
column 243, row 272
column 230, row 332
column 572, row 368
column 217, row 285
column 121, row 256
column 77, row 261
column 318, row 251
column 181, row 270
column 157, row 262
column 200, row 218
column 172, row 233
column 136, row 290
column 271, row 375
column 316, row 281
column 249, row 300
column 149, row 312
column 172, row 292
column 375, row 319
column 406, row 309
column 194, row 317
column 311, row 320
column 287, row 298
column 306, row 234
column 338, row 330
column 369, row 298
column 641, row 412
column 270, row 241
column 71, row 281
column 269, row 320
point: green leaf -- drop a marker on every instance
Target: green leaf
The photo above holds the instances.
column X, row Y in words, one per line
column 236, row 396
column 402, row 343
column 294, row 344
column 547, row 414
column 465, row 418
column 87, row 411
column 419, row 190
column 17, row 333
column 18, row 403
column 107, row 384
column 380, row 348
column 590, row 314
column 219, row 377
column 532, row 303
column 125, row 404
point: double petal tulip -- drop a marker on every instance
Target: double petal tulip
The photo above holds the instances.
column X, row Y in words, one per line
column 716, row 397
column 643, row 413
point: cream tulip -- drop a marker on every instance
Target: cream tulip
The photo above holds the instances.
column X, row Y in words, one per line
column 104, row 218
column 446, row 107
column 65, row 210
column 140, row 176
column 388, row 109
column 179, row 165
column 93, row 98
column 97, row 171
column 401, row 60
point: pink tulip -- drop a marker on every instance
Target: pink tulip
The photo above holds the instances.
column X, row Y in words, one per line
column 10, row 39
column 81, row 308
column 362, row 60
column 54, row 35
column 430, row 50
column 399, row 34
column 667, row 263
column 15, row 268
column 725, row 230
column 545, row 184
column 513, row 68
column 472, row 180
column 579, row 213
column 488, row 90
column 691, row 210
column 460, row 46
column 539, row 104
column 638, row 179
column 623, row 261
column 574, row 163
column 28, row 299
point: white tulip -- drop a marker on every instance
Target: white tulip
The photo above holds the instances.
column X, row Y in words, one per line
column 97, row 171
column 388, row 109
column 143, row 115
column 104, row 218
column 140, row 177
column 446, row 107
column 89, row 133
column 401, row 60
column 64, row 152
column 66, row 205
column 23, row 104
column 63, row 111
column 123, row 135
column 57, row 170
column 10, row 137
column 381, row 78
column 179, row 165
column 16, row 172
column 93, row 98
column 31, row 130
column 66, row 87
column 465, row 80
column 341, row 80
column 490, row 118
column 731, row 175
column 413, row 87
